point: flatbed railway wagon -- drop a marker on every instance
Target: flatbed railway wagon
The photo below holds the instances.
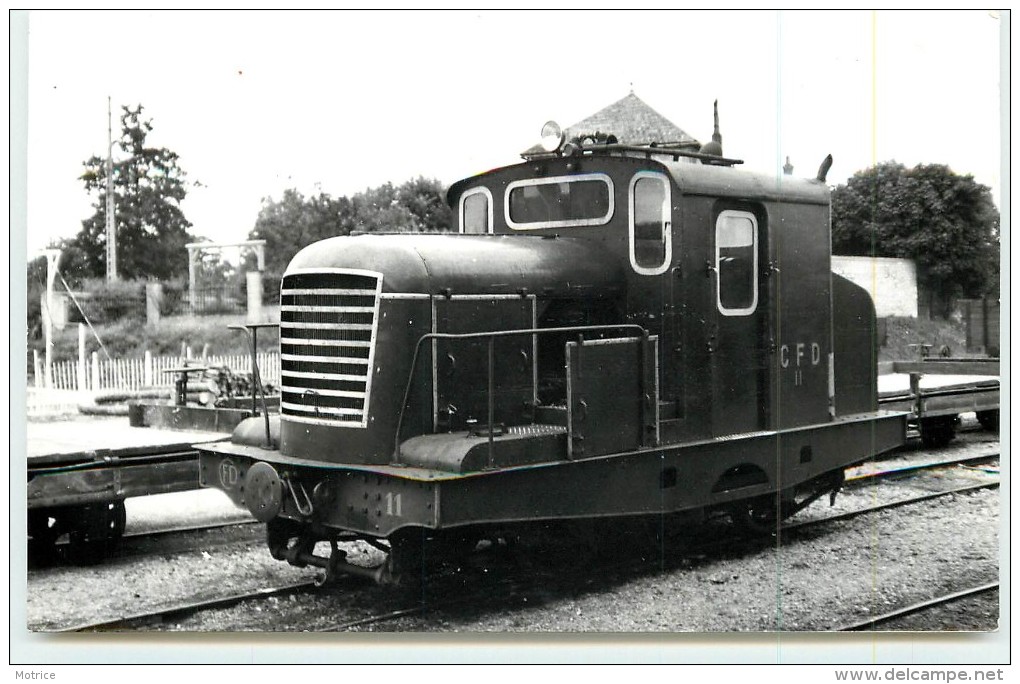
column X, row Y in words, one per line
column 935, row 391
column 614, row 331
column 80, row 472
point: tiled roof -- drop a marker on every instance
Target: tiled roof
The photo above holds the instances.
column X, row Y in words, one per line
column 632, row 121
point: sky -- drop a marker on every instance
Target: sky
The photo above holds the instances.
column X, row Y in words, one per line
column 256, row 103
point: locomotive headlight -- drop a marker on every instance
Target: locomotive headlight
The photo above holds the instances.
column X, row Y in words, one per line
column 552, row 136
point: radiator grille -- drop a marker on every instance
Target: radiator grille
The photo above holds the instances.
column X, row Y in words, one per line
column 328, row 325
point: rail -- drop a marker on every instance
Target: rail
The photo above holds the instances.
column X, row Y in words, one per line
column 491, row 336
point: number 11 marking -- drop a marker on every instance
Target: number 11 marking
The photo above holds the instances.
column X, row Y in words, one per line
column 393, row 504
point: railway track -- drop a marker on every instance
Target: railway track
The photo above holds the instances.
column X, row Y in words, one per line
column 148, row 618
column 848, row 515
column 861, row 474
column 185, row 529
column 919, row 607
column 178, row 539
column 494, row 591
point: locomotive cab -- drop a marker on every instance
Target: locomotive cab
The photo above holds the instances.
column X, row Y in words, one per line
column 611, row 331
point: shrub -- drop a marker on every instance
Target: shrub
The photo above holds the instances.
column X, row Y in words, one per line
column 102, row 301
column 130, row 339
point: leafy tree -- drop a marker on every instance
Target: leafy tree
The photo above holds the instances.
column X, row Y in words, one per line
column 417, row 206
column 149, row 186
column 293, row 222
column 945, row 222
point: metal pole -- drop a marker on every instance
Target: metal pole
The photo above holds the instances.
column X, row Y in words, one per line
column 81, row 358
column 111, row 225
column 52, row 259
column 192, row 272
column 254, row 365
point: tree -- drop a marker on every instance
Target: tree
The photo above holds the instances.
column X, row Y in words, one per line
column 294, row 221
column 149, row 186
column 945, row 222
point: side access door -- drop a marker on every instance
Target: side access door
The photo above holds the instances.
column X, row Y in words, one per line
column 738, row 342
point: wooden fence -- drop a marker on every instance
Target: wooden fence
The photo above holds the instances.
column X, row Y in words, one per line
column 132, row 374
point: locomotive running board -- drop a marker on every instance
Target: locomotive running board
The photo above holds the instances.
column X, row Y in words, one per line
column 464, row 452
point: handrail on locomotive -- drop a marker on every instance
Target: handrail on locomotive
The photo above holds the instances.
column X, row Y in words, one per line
column 491, row 337
column 250, row 331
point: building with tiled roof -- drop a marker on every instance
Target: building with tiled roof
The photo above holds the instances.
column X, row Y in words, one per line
column 633, row 122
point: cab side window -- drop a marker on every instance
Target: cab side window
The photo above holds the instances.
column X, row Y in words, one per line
column 736, row 262
column 651, row 248
column 476, row 211
column 559, row 202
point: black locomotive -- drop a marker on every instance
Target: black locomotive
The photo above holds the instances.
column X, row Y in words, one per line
column 615, row 331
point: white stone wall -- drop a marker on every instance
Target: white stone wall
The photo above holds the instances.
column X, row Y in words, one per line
column 891, row 282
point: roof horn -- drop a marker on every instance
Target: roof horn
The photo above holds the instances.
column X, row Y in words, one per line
column 714, row 148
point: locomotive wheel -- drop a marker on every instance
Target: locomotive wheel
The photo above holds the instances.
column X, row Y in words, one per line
column 405, row 563
column 756, row 517
column 563, row 543
column 97, row 532
column 279, row 533
column 989, row 420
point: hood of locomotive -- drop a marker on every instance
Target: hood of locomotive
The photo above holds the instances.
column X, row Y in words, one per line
column 441, row 264
column 354, row 308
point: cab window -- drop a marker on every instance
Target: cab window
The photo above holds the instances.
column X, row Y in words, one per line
column 476, row 211
column 560, row 201
column 650, row 239
column 736, row 262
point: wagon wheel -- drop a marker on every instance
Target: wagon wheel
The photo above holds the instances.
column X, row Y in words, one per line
column 989, row 419
column 937, row 432
column 100, row 528
column 43, row 533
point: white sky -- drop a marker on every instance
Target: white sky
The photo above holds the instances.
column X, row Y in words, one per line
column 255, row 103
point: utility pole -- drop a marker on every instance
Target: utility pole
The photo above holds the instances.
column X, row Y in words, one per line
column 111, row 224
column 52, row 259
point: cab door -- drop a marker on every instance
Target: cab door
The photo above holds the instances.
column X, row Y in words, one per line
column 651, row 238
column 737, row 342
